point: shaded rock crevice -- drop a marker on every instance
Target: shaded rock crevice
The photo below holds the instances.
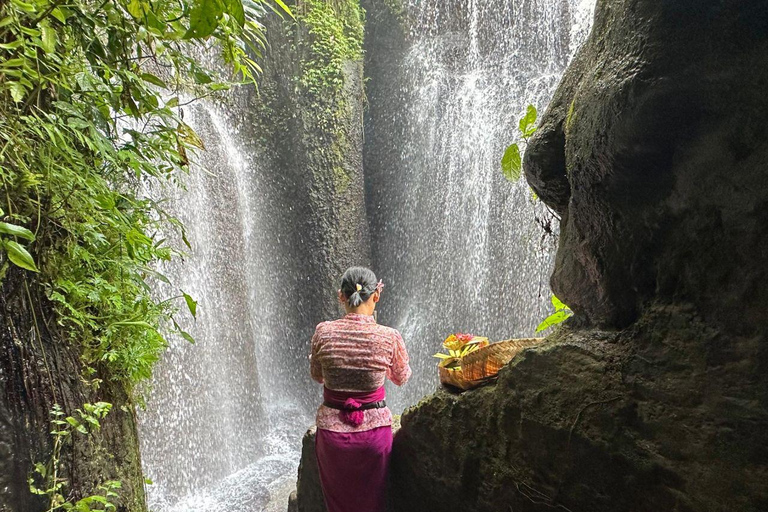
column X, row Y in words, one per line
column 40, row 368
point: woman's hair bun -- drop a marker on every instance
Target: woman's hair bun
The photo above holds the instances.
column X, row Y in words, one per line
column 357, row 285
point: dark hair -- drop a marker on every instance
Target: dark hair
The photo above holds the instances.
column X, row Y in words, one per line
column 358, row 276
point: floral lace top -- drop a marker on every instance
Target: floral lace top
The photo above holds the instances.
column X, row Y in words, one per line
column 355, row 353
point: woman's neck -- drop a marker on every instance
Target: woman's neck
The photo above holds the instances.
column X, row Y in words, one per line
column 362, row 309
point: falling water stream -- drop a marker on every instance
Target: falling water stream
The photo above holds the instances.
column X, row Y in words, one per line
column 460, row 246
column 459, row 243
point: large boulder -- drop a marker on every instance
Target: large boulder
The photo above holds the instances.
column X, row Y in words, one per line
column 581, row 423
column 653, row 151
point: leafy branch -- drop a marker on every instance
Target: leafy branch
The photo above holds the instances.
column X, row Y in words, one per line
column 512, row 161
column 561, row 314
column 17, row 254
column 90, row 117
column 46, row 479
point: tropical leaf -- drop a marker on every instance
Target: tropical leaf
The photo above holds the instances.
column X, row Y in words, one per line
column 204, row 18
column 19, row 256
column 14, row 230
column 528, row 122
column 17, row 91
column 154, row 80
column 554, row 319
column 187, row 336
column 284, row 7
column 235, row 9
column 189, row 137
column 558, row 303
column 48, row 38
column 191, row 304
column 511, row 163
column 137, row 8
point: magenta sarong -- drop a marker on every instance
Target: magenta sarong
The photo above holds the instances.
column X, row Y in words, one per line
column 354, row 465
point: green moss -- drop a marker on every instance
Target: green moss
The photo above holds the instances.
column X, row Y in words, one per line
column 397, row 9
column 336, row 36
column 569, row 116
column 335, row 30
column 341, row 179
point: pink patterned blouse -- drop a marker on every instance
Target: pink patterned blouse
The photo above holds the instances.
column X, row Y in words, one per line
column 355, row 353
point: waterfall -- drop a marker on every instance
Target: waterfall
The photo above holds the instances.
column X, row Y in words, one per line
column 209, row 431
column 458, row 246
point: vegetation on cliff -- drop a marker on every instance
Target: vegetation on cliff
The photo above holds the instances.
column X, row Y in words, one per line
column 335, row 37
column 91, row 99
column 90, row 95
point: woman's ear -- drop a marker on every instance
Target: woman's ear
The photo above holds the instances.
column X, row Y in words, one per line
column 342, row 299
column 376, row 296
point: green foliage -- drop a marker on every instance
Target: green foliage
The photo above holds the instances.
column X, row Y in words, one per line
column 46, row 479
column 512, row 162
column 397, row 8
column 89, row 120
column 335, row 29
column 569, row 116
column 336, row 36
column 527, row 124
column 16, row 254
column 561, row 314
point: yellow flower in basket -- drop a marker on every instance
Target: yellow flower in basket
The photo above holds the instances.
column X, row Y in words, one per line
column 458, row 346
column 453, row 343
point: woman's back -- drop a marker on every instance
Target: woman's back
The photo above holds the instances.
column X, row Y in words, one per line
column 352, row 357
column 355, row 353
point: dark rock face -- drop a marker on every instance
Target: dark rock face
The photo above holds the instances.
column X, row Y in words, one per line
column 311, row 146
column 587, row 422
column 583, row 424
column 653, row 152
column 309, row 494
column 36, row 372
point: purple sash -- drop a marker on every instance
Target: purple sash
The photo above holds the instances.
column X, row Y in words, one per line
column 349, row 403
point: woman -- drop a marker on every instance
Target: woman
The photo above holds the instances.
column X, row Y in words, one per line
column 352, row 357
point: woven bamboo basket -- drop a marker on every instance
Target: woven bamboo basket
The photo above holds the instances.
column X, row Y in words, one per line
column 452, row 376
column 483, row 364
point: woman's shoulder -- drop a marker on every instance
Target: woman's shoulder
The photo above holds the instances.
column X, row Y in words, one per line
column 381, row 329
column 323, row 327
column 389, row 331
